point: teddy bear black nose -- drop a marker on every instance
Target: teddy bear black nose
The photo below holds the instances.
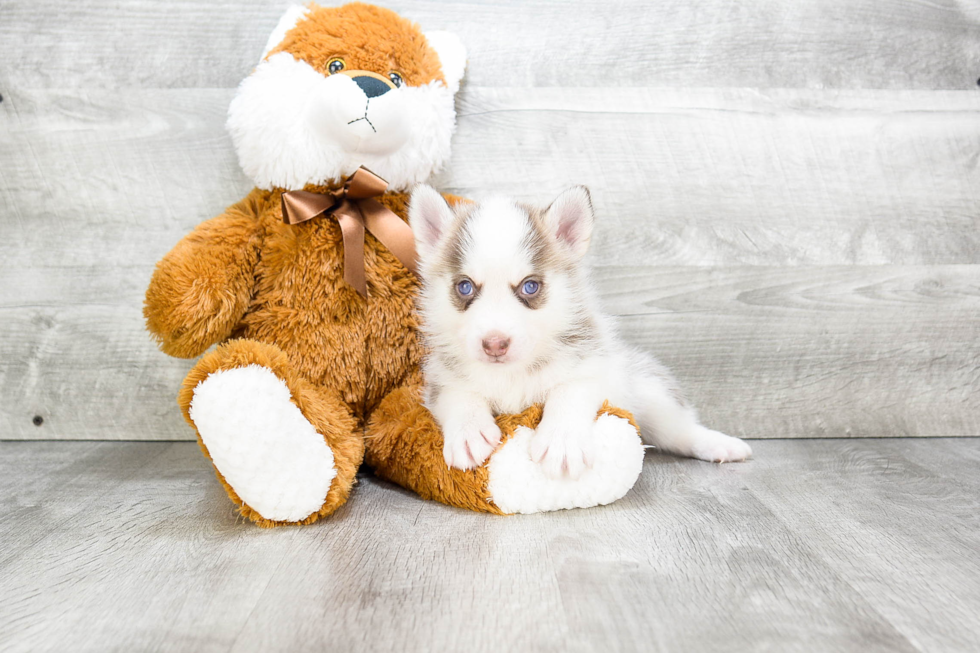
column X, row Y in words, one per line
column 372, row 86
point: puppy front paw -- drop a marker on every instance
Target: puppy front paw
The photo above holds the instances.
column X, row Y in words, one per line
column 563, row 448
column 468, row 444
column 716, row 447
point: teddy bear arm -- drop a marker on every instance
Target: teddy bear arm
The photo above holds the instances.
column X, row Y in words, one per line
column 200, row 290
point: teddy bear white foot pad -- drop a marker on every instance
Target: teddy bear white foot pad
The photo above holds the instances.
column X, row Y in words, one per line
column 265, row 448
column 518, row 485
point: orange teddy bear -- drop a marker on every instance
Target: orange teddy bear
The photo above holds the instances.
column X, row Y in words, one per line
column 306, row 285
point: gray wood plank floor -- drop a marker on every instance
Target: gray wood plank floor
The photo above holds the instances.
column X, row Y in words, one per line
column 815, row 545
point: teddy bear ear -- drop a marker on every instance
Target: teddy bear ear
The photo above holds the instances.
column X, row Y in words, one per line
column 452, row 56
column 288, row 21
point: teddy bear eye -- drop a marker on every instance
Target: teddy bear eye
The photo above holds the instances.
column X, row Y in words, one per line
column 396, row 79
column 335, row 66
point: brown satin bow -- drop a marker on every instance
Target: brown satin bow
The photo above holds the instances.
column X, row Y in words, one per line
column 355, row 208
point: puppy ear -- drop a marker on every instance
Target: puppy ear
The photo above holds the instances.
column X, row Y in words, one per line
column 570, row 219
column 288, row 21
column 452, row 56
column 429, row 216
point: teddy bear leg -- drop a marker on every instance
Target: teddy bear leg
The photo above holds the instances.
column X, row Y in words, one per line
column 286, row 451
column 404, row 445
column 520, row 485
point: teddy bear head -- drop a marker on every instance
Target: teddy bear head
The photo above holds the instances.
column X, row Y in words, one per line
column 342, row 87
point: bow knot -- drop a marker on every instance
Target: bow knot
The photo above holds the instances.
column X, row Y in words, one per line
column 356, row 209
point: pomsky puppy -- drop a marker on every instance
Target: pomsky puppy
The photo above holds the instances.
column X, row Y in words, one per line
column 510, row 319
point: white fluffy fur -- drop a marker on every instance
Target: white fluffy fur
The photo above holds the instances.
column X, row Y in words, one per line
column 292, row 125
column 287, row 22
column 259, row 440
column 519, row 485
column 565, row 353
column 452, row 56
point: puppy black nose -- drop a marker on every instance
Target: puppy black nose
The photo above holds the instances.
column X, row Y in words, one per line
column 372, row 86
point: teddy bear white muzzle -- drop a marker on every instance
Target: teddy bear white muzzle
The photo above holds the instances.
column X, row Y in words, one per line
column 360, row 113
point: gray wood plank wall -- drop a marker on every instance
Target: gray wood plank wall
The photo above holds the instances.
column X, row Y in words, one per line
column 788, row 193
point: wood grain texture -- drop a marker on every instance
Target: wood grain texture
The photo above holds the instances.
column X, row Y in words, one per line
column 924, row 585
column 91, row 197
column 763, row 352
column 740, row 177
column 795, row 352
column 831, row 545
column 710, row 177
column 732, row 218
column 893, row 44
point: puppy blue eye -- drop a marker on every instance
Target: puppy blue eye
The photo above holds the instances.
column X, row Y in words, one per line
column 530, row 287
column 465, row 287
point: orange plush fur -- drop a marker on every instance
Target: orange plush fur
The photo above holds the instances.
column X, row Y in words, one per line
column 404, row 446
column 365, row 38
column 278, row 291
column 273, row 295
